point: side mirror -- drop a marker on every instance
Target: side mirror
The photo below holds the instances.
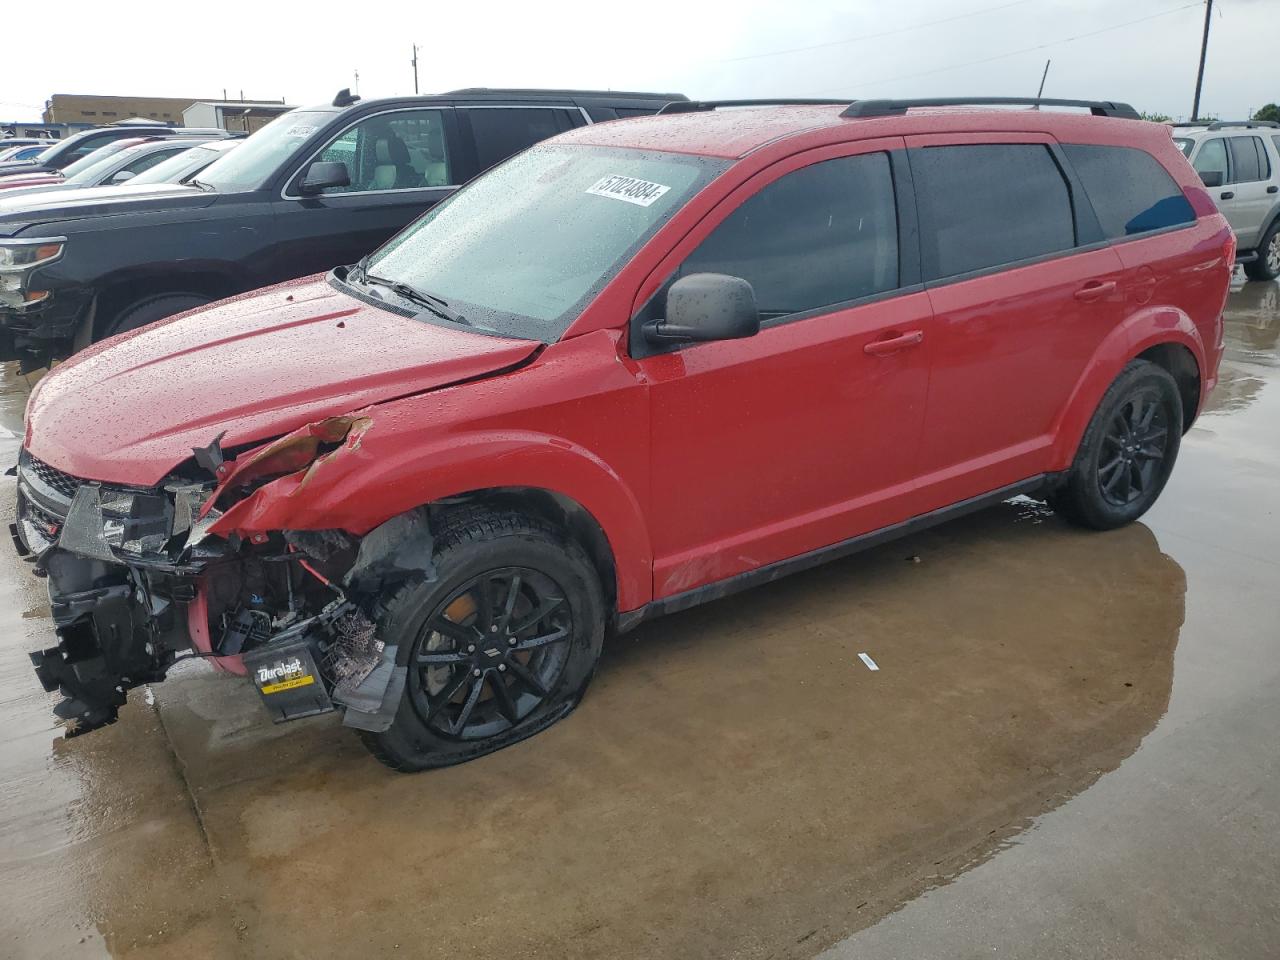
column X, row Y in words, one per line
column 322, row 175
column 122, row 176
column 707, row 306
column 1211, row 178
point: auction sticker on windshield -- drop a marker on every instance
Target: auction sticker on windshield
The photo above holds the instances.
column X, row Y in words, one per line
column 630, row 189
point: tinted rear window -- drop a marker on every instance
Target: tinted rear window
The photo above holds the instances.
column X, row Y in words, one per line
column 500, row 132
column 1130, row 191
column 1245, row 162
column 989, row 204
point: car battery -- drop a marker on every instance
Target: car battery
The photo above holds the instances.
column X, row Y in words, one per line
column 288, row 680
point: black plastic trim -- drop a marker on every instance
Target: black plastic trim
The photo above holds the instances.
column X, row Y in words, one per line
column 910, row 256
column 701, row 106
column 892, row 108
column 806, row 561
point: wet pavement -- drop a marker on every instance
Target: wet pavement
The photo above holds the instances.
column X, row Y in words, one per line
column 1069, row 750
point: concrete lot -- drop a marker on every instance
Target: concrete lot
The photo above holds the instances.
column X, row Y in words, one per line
column 1069, row 750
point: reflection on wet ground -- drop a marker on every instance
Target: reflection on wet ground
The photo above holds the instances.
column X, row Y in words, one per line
column 737, row 783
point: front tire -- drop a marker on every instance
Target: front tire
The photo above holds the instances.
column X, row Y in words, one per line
column 1127, row 452
column 1267, row 265
column 499, row 644
column 149, row 311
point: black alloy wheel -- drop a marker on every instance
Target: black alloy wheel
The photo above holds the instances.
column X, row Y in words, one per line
column 1133, row 449
column 1127, row 452
column 498, row 638
column 491, row 654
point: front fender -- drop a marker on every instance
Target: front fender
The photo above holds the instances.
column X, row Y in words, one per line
column 367, row 480
column 1139, row 332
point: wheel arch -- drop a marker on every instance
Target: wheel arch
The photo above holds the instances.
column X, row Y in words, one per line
column 558, row 509
column 124, row 289
column 1163, row 335
column 1182, row 365
column 363, row 484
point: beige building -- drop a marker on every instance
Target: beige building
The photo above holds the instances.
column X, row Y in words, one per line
column 238, row 116
column 87, row 108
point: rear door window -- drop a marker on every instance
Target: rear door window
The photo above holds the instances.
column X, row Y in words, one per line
column 1244, row 160
column 985, row 205
column 823, row 235
column 1130, row 191
column 501, row 132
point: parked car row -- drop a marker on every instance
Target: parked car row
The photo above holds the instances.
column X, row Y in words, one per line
column 22, row 148
column 59, row 154
column 636, row 367
column 116, row 163
column 1239, row 160
column 317, row 187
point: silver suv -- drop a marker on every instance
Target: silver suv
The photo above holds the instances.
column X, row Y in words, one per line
column 1239, row 161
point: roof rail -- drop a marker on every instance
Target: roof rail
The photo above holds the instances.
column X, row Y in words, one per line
column 552, row 92
column 698, row 106
column 889, row 108
column 1223, row 124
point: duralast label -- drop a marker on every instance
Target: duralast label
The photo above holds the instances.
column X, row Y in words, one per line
column 285, row 675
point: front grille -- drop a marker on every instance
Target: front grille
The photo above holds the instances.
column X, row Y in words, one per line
column 48, row 524
column 64, row 483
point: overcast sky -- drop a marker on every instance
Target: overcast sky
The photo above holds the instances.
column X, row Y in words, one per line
column 858, row 48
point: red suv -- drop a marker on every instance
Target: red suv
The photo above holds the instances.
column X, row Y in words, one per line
column 640, row 366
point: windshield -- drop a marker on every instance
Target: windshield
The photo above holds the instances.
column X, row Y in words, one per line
column 251, row 164
column 181, row 165
column 102, row 158
column 1184, row 144
column 91, row 169
column 521, row 250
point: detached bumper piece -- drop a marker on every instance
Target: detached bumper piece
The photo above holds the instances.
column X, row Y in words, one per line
column 288, row 680
column 99, row 657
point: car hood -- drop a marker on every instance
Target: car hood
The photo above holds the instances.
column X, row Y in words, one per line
column 15, row 183
column 11, row 167
column 100, row 201
column 130, row 409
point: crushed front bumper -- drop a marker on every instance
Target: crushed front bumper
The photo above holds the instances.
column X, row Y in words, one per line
column 44, row 331
column 127, row 600
column 118, row 625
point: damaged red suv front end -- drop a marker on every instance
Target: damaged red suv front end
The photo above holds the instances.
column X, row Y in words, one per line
column 158, row 560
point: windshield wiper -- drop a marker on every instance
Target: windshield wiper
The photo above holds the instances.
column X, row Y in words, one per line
column 428, row 301
column 206, row 187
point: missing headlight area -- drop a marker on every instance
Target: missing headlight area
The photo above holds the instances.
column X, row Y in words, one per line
column 140, row 579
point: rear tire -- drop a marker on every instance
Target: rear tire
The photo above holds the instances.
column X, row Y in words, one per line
column 1267, row 266
column 500, row 669
column 149, row 311
column 1127, row 452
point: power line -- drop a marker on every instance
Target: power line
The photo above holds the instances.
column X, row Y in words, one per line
column 1015, row 53
column 874, row 36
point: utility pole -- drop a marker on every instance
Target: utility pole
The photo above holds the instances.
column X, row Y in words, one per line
column 1204, row 50
column 415, row 69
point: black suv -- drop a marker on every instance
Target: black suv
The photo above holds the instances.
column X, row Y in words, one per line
column 318, row 187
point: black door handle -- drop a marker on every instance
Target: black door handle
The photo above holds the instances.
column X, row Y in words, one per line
column 1228, row 195
column 1273, row 189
